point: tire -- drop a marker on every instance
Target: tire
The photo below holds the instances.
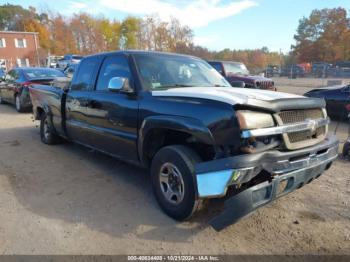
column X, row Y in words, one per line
column 18, row 104
column 173, row 168
column 47, row 135
column 346, row 150
column 1, row 101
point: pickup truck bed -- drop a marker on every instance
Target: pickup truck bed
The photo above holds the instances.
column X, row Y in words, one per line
column 52, row 105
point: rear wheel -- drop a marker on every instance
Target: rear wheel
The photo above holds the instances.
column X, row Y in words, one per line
column 18, row 104
column 1, row 101
column 173, row 181
column 346, row 150
column 47, row 133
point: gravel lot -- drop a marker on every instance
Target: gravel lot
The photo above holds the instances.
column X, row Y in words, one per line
column 66, row 199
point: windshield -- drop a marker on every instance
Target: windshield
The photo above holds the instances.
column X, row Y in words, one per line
column 42, row 73
column 236, row 68
column 167, row 71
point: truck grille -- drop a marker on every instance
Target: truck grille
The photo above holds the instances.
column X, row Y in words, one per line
column 265, row 84
column 300, row 139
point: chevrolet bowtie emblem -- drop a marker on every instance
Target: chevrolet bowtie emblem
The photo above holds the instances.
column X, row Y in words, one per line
column 312, row 124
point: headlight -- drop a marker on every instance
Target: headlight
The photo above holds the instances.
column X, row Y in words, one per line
column 254, row 120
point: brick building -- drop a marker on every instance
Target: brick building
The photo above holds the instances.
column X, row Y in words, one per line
column 18, row 49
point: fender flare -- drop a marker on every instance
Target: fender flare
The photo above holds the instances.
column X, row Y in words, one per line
column 47, row 110
column 187, row 125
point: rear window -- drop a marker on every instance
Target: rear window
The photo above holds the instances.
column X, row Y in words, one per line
column 77, row 57
column 42, row 73
column 217, row 66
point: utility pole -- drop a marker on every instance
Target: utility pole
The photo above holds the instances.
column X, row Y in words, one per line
column 36, row 49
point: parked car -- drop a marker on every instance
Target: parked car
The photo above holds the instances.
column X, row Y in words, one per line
column 320, row 69
column 68, row 60
column 69, row 71
column 14, row 87
column 2, row 74
column 272, row 70
column 200, row 137
column 340, row 69
column 293, row 71
column 51, row 61
column 337, row 97
column 237, row 73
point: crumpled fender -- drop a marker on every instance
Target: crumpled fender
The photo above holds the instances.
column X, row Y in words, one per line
column 177, row 123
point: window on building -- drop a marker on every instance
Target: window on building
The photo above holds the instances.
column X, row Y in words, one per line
column 22, row 62
column 20, row 43
column 2, row 43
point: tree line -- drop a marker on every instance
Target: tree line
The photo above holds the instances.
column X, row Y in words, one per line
column 85, row 34
column 323, row 36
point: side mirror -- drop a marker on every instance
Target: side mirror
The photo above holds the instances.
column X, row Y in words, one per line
column 116, row 83
column 240, row 84
column 119, row 84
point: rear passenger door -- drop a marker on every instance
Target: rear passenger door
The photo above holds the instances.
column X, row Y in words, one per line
column 77, row 100
column 112, row 116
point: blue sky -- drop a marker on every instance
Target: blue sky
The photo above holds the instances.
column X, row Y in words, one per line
column 217, row 24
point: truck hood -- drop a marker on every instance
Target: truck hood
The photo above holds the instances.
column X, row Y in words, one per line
column 230, row 95
column 328, row 88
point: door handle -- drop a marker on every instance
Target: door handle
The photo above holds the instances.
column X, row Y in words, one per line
column 92, row 103
column 89, row 103
column 83, row 103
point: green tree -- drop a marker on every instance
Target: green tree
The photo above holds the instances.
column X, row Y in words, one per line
column 129, row 31
column 323, row 36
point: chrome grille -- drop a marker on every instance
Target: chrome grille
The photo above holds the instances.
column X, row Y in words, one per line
column 265, row 84
column 300, row 139
column 295, row 116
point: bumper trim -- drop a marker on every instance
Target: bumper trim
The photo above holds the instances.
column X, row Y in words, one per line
column 215, row 184
column 247, row 201
column 214, row 177
column 268, row 157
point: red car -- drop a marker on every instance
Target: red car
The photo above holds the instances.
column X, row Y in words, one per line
column 14, row 86
column 237, row 73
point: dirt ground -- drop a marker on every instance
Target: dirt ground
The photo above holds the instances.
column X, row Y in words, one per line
column 66, row 199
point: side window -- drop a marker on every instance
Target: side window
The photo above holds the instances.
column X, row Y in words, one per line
column 113, row 66
column 217, row 66
column 12, row 75
column 9, row 76
column 85, row 77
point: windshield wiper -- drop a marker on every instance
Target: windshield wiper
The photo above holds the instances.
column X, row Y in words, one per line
column 177, row 85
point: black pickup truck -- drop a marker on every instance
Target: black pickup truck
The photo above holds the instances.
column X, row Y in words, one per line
column 200, row 137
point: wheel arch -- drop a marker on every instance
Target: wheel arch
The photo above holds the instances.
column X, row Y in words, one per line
column 158, row 131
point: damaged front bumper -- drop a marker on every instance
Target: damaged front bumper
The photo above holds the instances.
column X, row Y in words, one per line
column 290, row 170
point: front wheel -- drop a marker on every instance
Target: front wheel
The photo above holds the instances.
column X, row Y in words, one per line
column 47, row 133
column 173, row 181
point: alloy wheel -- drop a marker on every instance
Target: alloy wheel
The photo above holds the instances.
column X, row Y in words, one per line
column 171, row 183
column 18, row 103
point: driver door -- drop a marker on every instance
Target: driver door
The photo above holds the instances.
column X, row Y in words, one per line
column 112, row 115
